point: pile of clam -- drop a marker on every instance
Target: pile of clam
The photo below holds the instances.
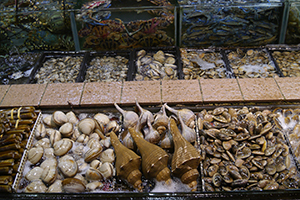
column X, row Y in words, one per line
column 288, row 120
column 70, row 154
column 288, row 62
column 201, row 64
column 107, row 69
column 243, row 149
column 155, row 66
column 85, row 154
column 251, row 63
column 59, row 70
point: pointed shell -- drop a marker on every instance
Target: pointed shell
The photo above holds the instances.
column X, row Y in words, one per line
column 35, row 154
column 67, row 166
column 62, row 147
column 73, row 185
column 130, row 118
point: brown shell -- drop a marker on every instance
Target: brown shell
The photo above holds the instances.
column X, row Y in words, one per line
column 127, row 163
column 154, row 158
column 186, row 158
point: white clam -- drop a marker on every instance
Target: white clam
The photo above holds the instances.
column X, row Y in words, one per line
column 102, row 119
column 49, row 162
column 105, row 142
column 94, row 185
column 66, row 129
column 86, row 126
column 36, row 186
column 40, row 131
column 54, row 136
column 44, row 143
column 56, row 187
column 34, row 174
column 49, row 174
column 107, row 170
column 93, row 174
column 68, row 166
column 59, row 118
column 72, row 117
column 107, row 156
column 62, row 147
column 35, row 154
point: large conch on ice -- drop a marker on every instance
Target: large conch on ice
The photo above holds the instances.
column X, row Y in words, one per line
column 154, row 158
column 127, row 163
column 186, row 158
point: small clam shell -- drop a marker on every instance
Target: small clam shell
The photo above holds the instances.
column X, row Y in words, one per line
column 56, row 187
column 66, row 129
column 102, row 119
column 141, row 53
column 48, row 121
column 36, row 186
column 40, row 131
column 59, row 118
column 73, row 185
column 86, row 126
column 49, row 174
column 94, row 185
column 92, row 154
column 107, row 170
column 93, row 174
column 72, row 117
column 106, row 142
column 35, row 154
column 49, row 152
column 112, row 126
column 45, row 143
column 96, row 164
column 62, row 147
column 67, row 166
column 107, row 156
column 54, row 136
column 170, row 60
column 49, row 162
column 83, row 138
column 82, row 166
column 34, row 174
column 93, row 143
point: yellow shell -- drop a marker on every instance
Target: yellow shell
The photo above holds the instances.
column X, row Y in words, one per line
column 154, row 158
column 186, row 158
column 127, row 163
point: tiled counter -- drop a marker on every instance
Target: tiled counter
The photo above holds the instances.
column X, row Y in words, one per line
column 196, row 92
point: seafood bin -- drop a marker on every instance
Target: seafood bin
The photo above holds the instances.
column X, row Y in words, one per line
column 110, row 27
column 36, row 31
column 204, row 63
column 251, row 63
column 156, row 63
column 229, row 24
column 58, row 67
column 292, row 35
column 286, row 59
column 106, row 66
column 260, row 111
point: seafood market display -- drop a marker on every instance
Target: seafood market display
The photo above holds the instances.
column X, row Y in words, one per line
column 230, row 24
column 288, row 62
column 98, row 30
column 243, row 149
column 251, row 63
column 16, row 126
column 59, row 70
column 202, row 64
column 155, row 65
column 92, row 152
column 107, row 69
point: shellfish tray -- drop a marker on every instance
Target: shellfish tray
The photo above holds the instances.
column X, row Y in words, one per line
column 251, row 63
column 245, row 152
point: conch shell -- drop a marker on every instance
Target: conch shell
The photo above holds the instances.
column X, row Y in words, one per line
column 186, row 158
column 154, row 158
column 145, row 115
column 130, row 117
column 188, row 133
column 188, row 116
column 161, row 120
column 127, row 163
column 151, row 135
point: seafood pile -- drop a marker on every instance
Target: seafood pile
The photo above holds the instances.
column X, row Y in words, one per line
column 107, row 69
column 16, row 126
column 288, row 62
column 226, row 25
column 155, row 66
column 251, row 63
column 202, row 64
column 288, row 121
column 292, row 35
column 86, row 153
column 59, row 70
column 243, row 149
